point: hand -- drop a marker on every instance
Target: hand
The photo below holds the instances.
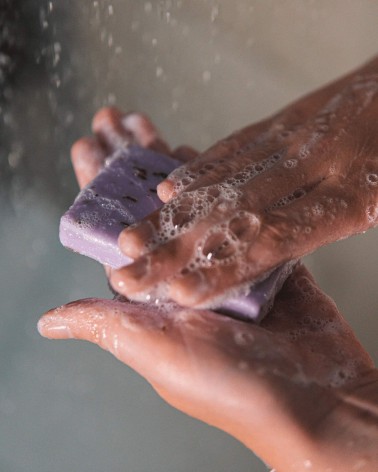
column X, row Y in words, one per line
column 268, row 193
column 274, row 386
column 289, row 389
column 113, row 130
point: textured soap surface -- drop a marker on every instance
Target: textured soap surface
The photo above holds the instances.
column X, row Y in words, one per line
column 124, row 193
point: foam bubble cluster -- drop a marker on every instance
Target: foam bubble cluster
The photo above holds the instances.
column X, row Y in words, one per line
column 183, row 177
column 225, row 243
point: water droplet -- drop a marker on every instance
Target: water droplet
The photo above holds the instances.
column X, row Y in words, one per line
column 206, row 76
column 135, row 25
column 148, row 7
column 214, row 13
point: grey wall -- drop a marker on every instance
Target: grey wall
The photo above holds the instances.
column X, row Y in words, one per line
column 200, row 69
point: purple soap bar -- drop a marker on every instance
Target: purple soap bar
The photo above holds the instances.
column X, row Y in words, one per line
column 124, row 193
column 260, row 299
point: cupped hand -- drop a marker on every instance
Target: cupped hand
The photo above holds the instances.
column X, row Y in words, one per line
column 267, row 194
column 273, row 387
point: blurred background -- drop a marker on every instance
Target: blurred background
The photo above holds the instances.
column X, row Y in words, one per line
column 200, row 69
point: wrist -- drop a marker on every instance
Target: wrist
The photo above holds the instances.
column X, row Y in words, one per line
column 346, row 438
column 320, row 429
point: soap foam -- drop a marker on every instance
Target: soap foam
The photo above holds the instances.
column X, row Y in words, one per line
column 224, row 244
column 183, row 177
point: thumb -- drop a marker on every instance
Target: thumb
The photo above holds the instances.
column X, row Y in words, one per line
column 131, row 332
column 181, row 353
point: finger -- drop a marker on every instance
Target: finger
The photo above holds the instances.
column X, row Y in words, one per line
column 87, row 156
column 184, row 235
column 130, row 332
column 134, row 241
column 207, row 245
column 136, row 280
column 167, row 259
column 144, row 132
column 185, row 153
column 332, row 210
column 302, row 305
column 177, row 217
column 107, row 126
column 240, row 150
column 241, row 143
column 116, row 131
column 166, row 188
column 206, row 365
column 285, row 232
column 169, row 355
column 166, row 346
column 247, row 246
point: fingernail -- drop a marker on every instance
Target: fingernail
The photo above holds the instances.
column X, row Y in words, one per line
column 54, row 328
column 165, row 190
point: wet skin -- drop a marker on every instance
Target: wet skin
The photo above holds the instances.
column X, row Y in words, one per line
column 271, row 192
column 299, row 389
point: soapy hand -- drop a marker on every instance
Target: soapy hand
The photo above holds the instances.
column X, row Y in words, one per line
column 280, row 388
column 283, row 388
column 267, row 194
